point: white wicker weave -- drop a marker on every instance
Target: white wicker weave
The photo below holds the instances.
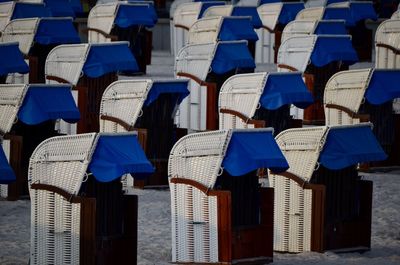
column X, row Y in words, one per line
column 396, row 15
column 218, row 11
column 298, row 28
column 205, row 30
column 345, row 89
column 387, row 34
column 313, row 13
column 22, row 31
column 269, row 14
column 240, row 93
column 11, row 98
column 101, row 17
column 6, row 11
column 296, row 52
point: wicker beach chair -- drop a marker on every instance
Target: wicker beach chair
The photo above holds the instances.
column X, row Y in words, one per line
column 387, row 44
column 12, row 62
column 320, row 202
column 212, row 223
column 79, row 214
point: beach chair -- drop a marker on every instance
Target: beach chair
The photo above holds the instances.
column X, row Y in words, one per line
column 147, row 107
column 90, row 69
column 79, row 213
column 12, row 61
column 262, row 100
column 274, row 17
column 364, row 95
column 124, row 21
column 319, row 57
column 387, row 44
column 36, row 38
column 27, row 117
column 208, row 65
column 320, row 201
column 219, row 213
column 183, row 18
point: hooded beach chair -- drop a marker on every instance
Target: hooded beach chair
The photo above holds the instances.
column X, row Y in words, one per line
column 262, row 100
column 79, row 213
column 320, row 201
column 27, row 117
column 147, row 107
column 387, row 44
column 12, row 62
column 219, row 212
column 90, row 69
column 208, row 65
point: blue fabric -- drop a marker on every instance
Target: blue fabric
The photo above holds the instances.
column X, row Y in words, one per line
column 230, row 56
column 177, row 88
column 350, row 145
column 47, row 102
column 130, row 15
column 383, row 86
column 330, row 49
column 56, row 31
column 248, row 151
column 107, row 58
column 6, row 173
column 327, row 27
column 283, row 89
column 262, row 2
column 362, row 11
column 206, row 5
column 28, row 10
column 60, row 8
column 289, row 12
column 237, row 29
column 249, row 11
column 339, row 13
column 116, row 155
column 12, row 60
column 76, row 6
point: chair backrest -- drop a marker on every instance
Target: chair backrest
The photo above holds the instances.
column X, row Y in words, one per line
column 205, row 30
column 66, row 62
column 313, row 13
column 298, row 28
column 186, row 14
column 199, row 156
column 269, row 15
column 240, row 93
column 247, row 3
column 101, row 17
column 396, row 15
column 345, row 89
column 6, row 11
column 22, row 31
column 123, row 100
column 387, row 44
column 295, row 52
column 11, row 98
column 174, row 6
column 218, row 11
column 301, row 148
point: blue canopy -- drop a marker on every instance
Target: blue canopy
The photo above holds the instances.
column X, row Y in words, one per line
column 76, row 6
column 140, row 14
column 6, row 173
column 262, row 2
column 230, row 56
column 29, row 10
column 383, row 86
column 100, row 61
column 339, row 13
column 48, row 102
column 206, row 5
column 331, row 27
column 178, row 88
column 328, row 49
column 119, row 154
column 362, row 10
column 237, row 29
column 289, row 12
column 249, row 11
column 12, row 60
column 285, row 88
column 350, row 145
column 56, row 31
column 60, row 8
column 248, row 151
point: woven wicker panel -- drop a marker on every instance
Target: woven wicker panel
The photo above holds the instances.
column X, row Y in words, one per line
column 313, row 13
column 396, row 15
column 66, row 62
column 345, row 89
column 298, row 28
column 199, row 156
column 62, row 161
column 123, row 100
column 6, row 11
column 187, row 13
column 218, row 11
column 241, row 93
column 205, row 30
column 11, row 98
column 55, row 229
column 269, row 14
column 302, row 148
column 388, row 33
column 194, row 225
column 174, row 6
column 101, row 17
column 296, row 52
column 22, row 31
